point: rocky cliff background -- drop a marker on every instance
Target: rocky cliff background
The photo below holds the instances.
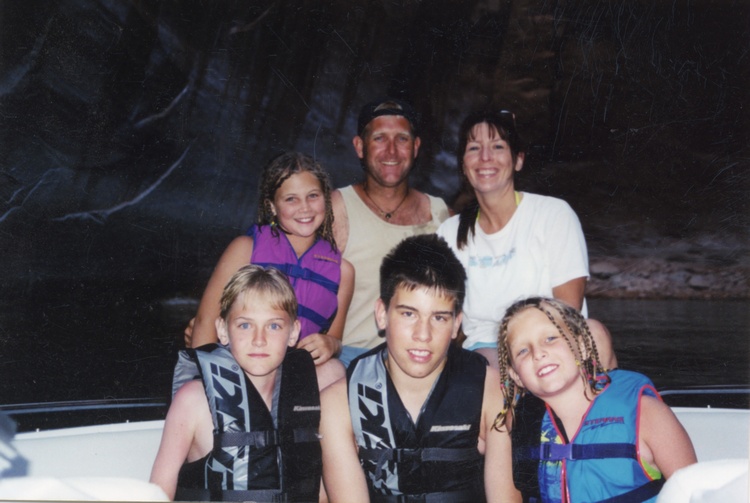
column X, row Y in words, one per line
column 132, row 133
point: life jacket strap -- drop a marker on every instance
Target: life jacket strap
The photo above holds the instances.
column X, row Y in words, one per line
column 314, row 316
column 557, row 452
column 306, row 435
column 297, row 271
column 381, row 456
column 260, row 439
column 438, row 497
column 269, row 495
column 639, row 494
column 257, row 439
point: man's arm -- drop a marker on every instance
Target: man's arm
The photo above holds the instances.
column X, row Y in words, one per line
column 498, row 460
column 340, row 220
column 343, row 476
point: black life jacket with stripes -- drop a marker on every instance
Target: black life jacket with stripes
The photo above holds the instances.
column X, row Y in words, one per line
column 258, row 454
column 435, row 459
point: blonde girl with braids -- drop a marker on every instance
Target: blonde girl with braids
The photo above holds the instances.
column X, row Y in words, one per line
column 293, row 233
column 580, row 432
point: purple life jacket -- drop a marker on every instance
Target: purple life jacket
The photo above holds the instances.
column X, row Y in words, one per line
column 315, row 276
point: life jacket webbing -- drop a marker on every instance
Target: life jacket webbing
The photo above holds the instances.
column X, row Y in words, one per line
column 256, row 495
column 297, row 271
column 314, row 316
column 257, row 439
column 265, row 438
column 439, row 497
column 425, row 454
column 639, row 494
column 557, row 452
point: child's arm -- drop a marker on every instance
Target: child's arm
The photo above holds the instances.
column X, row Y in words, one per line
column 663, row 440
column 346, row 290
column 180, row 436
column 323, row 347
column 342, row 474
column 498, row 467
column 234, row 257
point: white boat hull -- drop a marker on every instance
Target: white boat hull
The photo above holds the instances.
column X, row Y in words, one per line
column 127, row 450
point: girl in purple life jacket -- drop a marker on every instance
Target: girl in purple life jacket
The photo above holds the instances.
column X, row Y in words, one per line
column 293, row 233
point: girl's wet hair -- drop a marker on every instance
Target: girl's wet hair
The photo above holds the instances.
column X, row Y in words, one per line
column 501, row 123
column 276, row 172
column 572, row 326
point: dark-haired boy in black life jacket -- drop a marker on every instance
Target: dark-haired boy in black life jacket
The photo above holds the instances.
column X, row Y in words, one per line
column 413, row 418
column 248, row 429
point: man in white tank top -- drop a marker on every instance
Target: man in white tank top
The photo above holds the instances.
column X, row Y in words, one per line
column 372, row 216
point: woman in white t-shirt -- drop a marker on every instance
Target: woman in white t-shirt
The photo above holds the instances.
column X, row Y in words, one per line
column 513, row 244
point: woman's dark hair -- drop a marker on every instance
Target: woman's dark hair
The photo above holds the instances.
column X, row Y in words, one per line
column 502, row 123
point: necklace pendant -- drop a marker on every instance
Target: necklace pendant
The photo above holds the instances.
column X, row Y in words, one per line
column 388, row 216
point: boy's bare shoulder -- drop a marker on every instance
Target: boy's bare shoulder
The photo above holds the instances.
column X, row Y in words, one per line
column 334, row 392
column 189, row 394
column 335, row 419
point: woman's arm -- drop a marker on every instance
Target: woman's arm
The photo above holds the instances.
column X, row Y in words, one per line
column 571, row 292
column 234, row 257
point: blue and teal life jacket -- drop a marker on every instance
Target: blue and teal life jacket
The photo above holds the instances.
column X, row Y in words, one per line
column 601, row 463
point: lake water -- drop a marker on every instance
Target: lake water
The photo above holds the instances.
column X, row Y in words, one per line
column 678, row 342
column 104, row 346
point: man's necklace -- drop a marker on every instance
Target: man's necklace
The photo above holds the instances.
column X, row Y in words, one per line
column 386, row 214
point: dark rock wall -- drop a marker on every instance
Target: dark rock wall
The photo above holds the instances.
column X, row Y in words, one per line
column 131, row 133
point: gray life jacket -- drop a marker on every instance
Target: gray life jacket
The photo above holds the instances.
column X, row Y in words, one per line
column 258, row 454
column 435, row 459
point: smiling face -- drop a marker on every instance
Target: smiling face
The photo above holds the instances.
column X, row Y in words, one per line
column 299, row 205
column 388, row 149
column 419, row 326
column 542, row 360
column 488, row 162
column 258, row 333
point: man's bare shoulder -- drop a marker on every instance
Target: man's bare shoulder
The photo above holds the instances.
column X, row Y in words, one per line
column 424, row 208
column 340, row 220
column 337, row 200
